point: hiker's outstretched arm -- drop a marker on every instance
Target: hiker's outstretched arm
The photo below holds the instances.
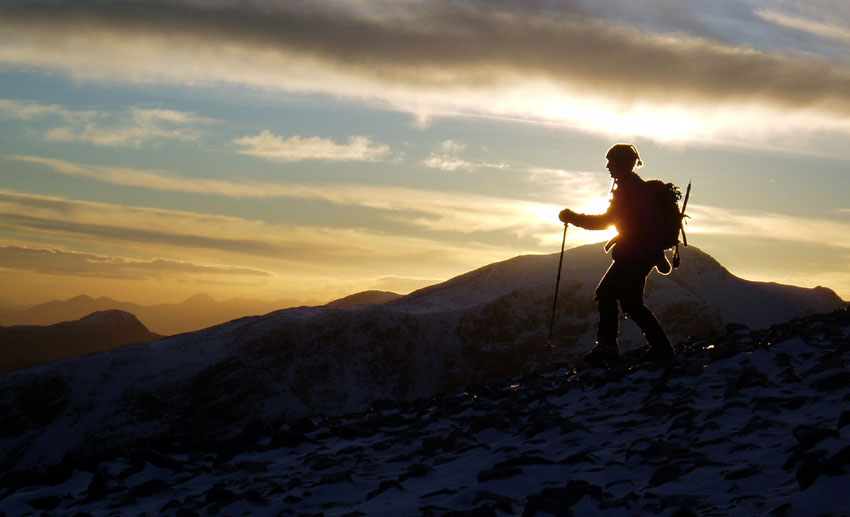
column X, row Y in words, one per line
column 588, row 221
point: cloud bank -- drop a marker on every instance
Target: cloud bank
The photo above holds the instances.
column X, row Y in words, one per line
column 433, row 58
column 52, row 261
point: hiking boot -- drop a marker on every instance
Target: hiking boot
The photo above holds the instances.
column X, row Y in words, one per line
column 601, row 355
column 658, row 353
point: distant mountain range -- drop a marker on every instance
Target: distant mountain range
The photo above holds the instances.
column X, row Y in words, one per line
column 26, row 345
column 490, row 323
column 195, row 313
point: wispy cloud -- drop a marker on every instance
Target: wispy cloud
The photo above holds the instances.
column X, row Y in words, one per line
column 447, row 157
column 269, row 146
column 305, row 249
column 821, row 28
column 51, row 261
column 768, row 226
column 600, row 76
column 30, row 110
column 132, row 127
column 427, row 209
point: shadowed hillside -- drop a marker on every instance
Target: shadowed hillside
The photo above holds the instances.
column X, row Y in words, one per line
column 24, row 346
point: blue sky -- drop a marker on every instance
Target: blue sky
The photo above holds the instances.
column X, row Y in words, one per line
column 152, row 150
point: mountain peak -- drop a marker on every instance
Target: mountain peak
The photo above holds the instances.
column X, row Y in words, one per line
column 200, row 298
column 372, row 297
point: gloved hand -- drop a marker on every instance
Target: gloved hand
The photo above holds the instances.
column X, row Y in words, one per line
column 566, row 215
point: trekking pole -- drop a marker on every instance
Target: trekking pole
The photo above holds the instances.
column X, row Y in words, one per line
column 557, row 284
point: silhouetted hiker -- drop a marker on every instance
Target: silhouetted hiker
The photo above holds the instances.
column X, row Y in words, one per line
column 637, row 249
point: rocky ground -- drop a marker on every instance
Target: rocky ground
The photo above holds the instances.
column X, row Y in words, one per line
column 748, row 423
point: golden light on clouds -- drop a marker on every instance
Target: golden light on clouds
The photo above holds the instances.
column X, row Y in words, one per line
column 437, row 59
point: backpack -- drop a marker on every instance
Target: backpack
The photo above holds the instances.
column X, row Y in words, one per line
column 667, row 196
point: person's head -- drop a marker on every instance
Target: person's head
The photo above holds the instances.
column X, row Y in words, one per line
column 622, row 159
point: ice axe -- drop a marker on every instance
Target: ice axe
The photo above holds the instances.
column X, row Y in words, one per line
column 557, row 284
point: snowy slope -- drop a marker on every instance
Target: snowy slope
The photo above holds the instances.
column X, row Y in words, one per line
column 747, row 423
column 208, row 386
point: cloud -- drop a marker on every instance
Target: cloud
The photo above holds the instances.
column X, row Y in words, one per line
column 132, row 127
column 445, row 58
column 431, row 210
column 447, row 158
column 61, row 262
column 821, row 28
column 295, row 148
column 446, row 162
column 303, row 249
column 768, row 226
column 29, row 110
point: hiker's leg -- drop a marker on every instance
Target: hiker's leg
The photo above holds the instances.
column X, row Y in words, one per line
column 607, row 293
column 609, row 323
column 632, row 304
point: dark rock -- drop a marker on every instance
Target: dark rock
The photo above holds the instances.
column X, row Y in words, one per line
column 304, row 426
column 431, row 445
column 385, row 405
column 808, row 473
column 809, row 436
column 482, row 511
column 832, row 382
column 46, row 503
column 684, row 511
column 97, row 486
column 502, row 503
column 340, row 476
column 742, row 473
column 357, row 431
column 844, row 419
column 750, row 377
column 498, row 473
column 521, row 461
column 286, row 438
column 325, row 462
column 149, row 488
column 220, row 496
column 558, row 501
column 415, row 470
column 781, row 509
column 579, row 457
column 665, row 474
column 383, row 487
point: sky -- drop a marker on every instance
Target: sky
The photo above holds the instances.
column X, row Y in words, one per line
column 151, row 150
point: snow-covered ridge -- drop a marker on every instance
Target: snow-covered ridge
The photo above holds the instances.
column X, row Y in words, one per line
column 489, row 324
column 746, row 423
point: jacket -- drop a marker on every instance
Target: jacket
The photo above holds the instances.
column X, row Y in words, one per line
column 635, row 214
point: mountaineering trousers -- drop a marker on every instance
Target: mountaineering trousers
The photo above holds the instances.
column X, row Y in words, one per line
column 624, row 283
